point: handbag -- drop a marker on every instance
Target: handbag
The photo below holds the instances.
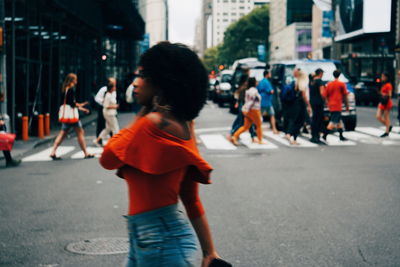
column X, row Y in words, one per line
column 384, row 99
column 68, row 114
column 7, row 141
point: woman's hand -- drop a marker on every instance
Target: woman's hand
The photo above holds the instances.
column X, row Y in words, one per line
column 85, row 110
column 208, row 258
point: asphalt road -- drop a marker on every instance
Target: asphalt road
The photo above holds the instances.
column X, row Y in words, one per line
column 322, row 206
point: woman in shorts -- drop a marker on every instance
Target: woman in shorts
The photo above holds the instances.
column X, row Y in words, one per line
column 68, row 90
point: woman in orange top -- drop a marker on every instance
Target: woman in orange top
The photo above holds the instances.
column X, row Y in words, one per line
column 158, row 158
column 386, row 104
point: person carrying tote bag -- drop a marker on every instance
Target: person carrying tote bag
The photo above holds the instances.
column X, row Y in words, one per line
column 69, row 116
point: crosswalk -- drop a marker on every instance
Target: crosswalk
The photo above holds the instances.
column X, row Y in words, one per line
column 216, row 140
column 63, row 152
column 362, row 135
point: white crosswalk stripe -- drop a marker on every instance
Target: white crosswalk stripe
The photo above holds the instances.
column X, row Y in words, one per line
column 245, row 138
column 44, row 155
column 335, row 141
column 92, row 150
column 377, row 132
column 280, row 138
column 217, row 142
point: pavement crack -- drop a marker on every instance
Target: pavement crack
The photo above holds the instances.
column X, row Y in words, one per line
column 362, row 256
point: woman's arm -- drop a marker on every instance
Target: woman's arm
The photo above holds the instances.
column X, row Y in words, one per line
column 189, row 195
column 203, row 232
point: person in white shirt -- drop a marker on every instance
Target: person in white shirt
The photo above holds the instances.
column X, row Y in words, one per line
column 99, row 98
column 109, row 112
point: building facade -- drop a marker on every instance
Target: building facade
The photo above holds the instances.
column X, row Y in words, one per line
column 290, row 29
column 46, row 40
column 217, row 15
column 366, row 32
column 155, row 13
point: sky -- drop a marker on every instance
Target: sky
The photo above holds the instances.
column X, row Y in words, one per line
column 182, row 20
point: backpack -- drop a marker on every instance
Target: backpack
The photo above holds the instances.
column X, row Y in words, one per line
column 288, row 93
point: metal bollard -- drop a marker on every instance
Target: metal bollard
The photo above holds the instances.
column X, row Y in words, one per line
column 47, row 124
column 40, row 127
column 25, row 128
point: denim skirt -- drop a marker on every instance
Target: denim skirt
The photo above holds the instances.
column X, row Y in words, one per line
column 161, row 237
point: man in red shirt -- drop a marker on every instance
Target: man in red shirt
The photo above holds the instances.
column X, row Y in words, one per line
column 334, row 94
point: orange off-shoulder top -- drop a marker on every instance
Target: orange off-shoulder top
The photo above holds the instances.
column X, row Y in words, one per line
column 158, row 168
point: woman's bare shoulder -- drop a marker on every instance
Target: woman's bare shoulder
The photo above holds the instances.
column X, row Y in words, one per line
column 168, row 125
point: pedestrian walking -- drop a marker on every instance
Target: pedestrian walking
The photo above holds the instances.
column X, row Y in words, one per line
column 68, row 90
column 317, row 88
column 10, row 162
column 239, row 96
column 110, row 107
column 335, row 93
column 158, row 157
column 266, row 91
column 99, row 99
column 297, row 107
column 385, row 104
column 251, row 111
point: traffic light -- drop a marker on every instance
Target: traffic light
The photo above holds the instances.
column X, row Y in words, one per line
column 221, row 67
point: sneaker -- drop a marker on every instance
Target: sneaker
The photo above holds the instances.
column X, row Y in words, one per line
column 13, row 163
column 315, row 140
column 342, row 138
column 384, row 135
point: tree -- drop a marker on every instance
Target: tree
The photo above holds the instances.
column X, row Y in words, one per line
column 210, row 58
column 242, row 37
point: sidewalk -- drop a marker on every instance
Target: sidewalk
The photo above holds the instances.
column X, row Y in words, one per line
column 22, row 147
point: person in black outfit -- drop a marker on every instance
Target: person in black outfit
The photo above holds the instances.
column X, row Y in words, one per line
column 297, row 109
column 10, row 162
column 317, row 105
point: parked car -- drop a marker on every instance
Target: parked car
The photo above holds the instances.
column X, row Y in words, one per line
column 282, row 74
column 223, row 92
column 256, row 68
column 367, row 91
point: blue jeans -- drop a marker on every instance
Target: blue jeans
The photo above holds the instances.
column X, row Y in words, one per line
column 161, row 237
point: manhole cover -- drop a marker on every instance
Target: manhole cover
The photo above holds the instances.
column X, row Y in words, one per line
column 100, row 246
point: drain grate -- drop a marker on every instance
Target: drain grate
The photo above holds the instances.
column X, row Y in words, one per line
column 100, row 246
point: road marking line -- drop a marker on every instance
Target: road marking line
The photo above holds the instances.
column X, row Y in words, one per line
column 216, row 141
column 360, row 137
column 245, row 138
column 395, row 129
column 335, row 141
column 377, row 132
column 281, row 139
column 44, row 155
column 92, row 150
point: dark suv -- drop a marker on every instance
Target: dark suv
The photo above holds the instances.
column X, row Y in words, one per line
column 282, row 74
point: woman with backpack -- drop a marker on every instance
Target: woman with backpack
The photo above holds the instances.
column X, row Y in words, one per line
column 296, row 108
